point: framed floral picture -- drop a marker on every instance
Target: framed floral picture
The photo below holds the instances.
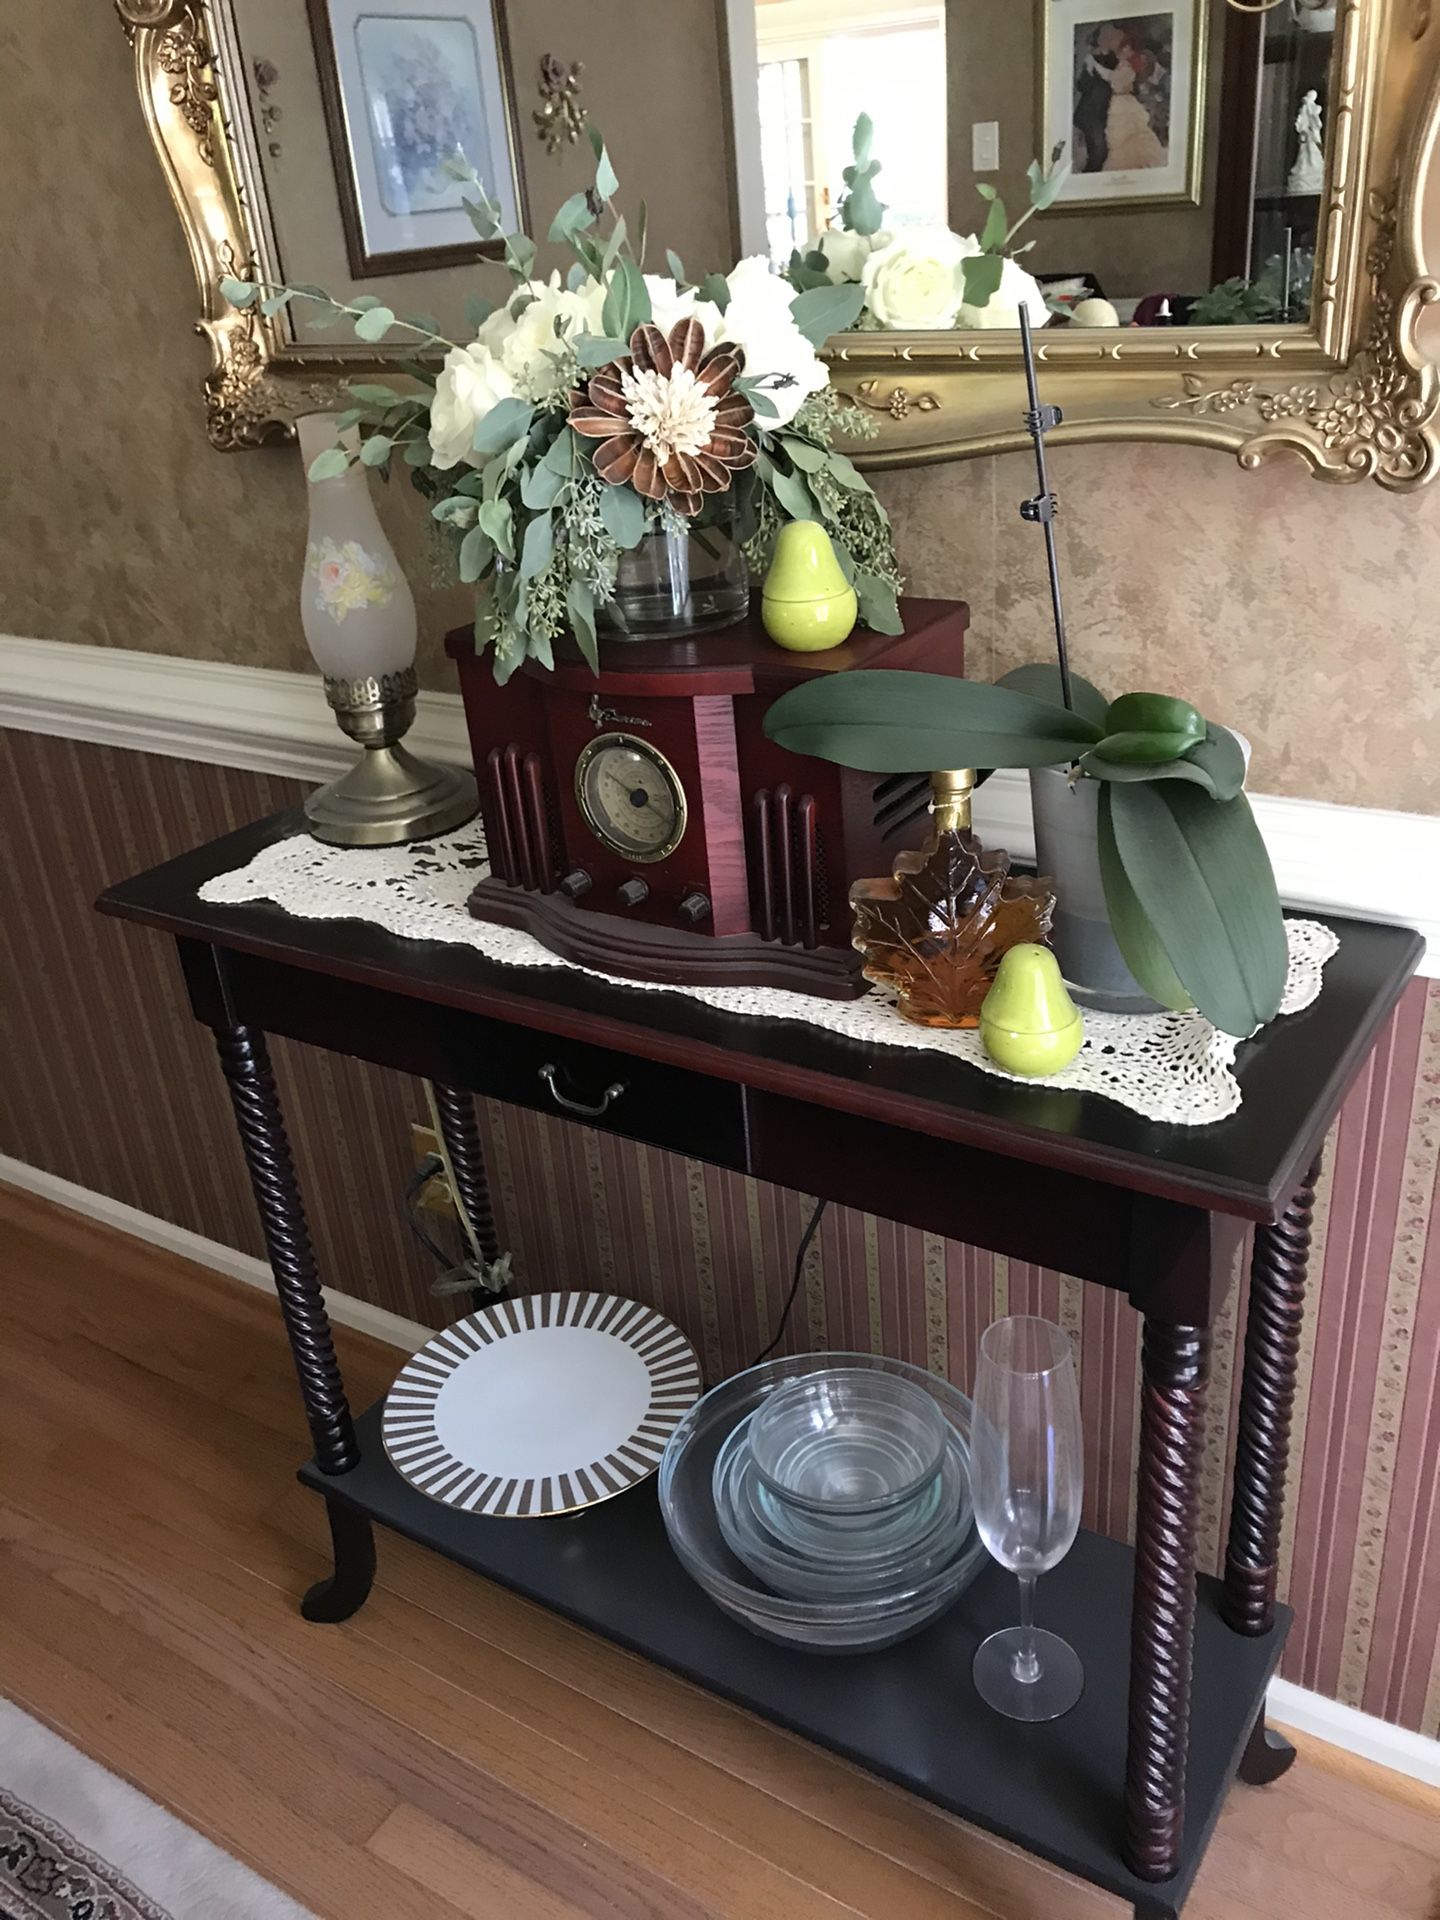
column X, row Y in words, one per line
column 407, row 85
column 1122, row 97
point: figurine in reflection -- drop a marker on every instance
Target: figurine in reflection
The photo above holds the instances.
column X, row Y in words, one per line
column 1308, row 173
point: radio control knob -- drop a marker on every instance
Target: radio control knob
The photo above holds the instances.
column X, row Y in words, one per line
column 632, row 893
column 575, row 883
column 694, row 908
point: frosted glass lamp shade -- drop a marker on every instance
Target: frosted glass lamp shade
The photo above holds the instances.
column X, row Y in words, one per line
column 355, row 604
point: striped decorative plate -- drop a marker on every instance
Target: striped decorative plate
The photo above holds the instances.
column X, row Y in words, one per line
column 541, row 1405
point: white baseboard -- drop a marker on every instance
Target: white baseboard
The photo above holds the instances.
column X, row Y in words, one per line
column 1396, row 1748
column 343, row 1308
column 1368, row 861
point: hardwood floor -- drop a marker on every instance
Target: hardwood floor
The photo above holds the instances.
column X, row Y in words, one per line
column 454, row 1750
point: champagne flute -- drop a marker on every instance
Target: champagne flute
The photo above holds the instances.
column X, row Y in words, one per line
column 1027, row 1475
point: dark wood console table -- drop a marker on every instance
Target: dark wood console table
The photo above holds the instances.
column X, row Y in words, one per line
column 1126, row 1788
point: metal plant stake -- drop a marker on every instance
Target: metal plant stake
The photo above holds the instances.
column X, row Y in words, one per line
column 1043, row 508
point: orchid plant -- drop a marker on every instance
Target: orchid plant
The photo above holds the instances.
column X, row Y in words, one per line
column 923, row 278
column 585, row 413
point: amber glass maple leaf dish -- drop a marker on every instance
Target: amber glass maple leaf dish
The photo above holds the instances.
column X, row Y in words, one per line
column 936, row 930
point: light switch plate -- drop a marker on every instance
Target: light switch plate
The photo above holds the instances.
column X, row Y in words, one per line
column 985, row 146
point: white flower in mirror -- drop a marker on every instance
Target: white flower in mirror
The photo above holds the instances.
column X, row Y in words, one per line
column 777, row 354
column 471, row 383
column 845, row 253
column 916, row 281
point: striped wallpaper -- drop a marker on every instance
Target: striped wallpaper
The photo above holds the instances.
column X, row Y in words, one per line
column 107, row 1082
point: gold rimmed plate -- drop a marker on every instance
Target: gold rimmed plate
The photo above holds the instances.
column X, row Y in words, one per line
column 540, row 1405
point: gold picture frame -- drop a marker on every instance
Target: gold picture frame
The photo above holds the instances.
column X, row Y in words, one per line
column 1192, row 144
column 1351, row 392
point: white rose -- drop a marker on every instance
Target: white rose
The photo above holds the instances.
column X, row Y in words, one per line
column 758, row 319
column 669, row 303
column 845, row 253
column 915, row 281
column 523, row 338
column 1016, row 288
column 471, row 383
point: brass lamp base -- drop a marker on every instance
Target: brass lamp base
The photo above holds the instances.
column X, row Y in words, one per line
column 389, row 796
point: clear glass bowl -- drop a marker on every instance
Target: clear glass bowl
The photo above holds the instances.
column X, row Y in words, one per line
column 687, row 1506
column 841, row 1565
column 848, row 1440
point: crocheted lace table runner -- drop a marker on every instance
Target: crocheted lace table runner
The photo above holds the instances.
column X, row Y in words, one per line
column 1167, row 1066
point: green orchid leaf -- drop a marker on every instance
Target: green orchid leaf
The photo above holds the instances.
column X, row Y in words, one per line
column 1043, row 680
column 1143, row 749
column 1155, row 713
column 1136, row 938
column 1100, row 768
column 1221, row 757
column 1202, row 878
column 884, row 721
column 623, row 512
column 822, row 311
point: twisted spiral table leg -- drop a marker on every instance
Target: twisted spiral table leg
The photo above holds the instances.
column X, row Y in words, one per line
column 246, row 1062
column 1267, row 1395
column 467, row 1162
column 1175, row 1362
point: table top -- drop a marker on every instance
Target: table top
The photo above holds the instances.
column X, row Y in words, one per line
column 1294, row 1075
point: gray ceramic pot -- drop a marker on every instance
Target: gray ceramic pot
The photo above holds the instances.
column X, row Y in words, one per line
column 1066, row 851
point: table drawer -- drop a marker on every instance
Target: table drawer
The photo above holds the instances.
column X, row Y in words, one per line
column 616, row 1092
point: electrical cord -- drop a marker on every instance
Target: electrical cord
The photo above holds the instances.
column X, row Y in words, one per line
column 452, row 1278
column 800, row 1253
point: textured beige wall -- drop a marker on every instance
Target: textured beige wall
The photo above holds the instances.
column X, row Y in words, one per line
column 1305, row 614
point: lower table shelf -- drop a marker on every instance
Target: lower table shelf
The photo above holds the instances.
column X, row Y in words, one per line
column 909, row 1713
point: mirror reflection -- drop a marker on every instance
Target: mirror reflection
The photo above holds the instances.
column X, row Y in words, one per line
column 1158, row 168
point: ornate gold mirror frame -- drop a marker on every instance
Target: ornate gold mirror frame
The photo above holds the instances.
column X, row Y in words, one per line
column 1351, row 392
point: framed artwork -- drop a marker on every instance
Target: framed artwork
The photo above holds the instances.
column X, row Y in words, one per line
column 406, row 85
column 1122, row 94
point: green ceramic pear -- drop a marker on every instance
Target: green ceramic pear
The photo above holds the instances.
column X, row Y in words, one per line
column 1028, row 1022
column 807, row 604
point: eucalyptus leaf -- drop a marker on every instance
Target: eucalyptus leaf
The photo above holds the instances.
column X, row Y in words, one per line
column 1202, row 877
column 623, row 512
column 477, row 550
column 574, row 215
column 793, row 495
column 457, row 509
column 375, row 449
column 477, row 311
column 642, row 230
column 1139, row 944
column 542, row 486
column 594, row 350
column 1043, row 189
column 351, row 417
column 374, row 323
column 366, row 302
column 1043, row 680
column 537, row 546
column 519, row 254
column 374, row 396
column 822, row 311
column 606, row 182
column 612, row 247
column 676, row 266
column 329, row 464
column 981, row 273
column 240, row 293
column 417, row 452
column 273, row 302
column 496, row 519
column 580, row 605
column 992, row 238
column 559, row 457
column 846, row 474
column 879, row 608
column 716, row 289
column 804, row 453
column 885, row 721
column 507, row 421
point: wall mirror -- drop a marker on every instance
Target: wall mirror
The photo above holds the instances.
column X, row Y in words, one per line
column 1237, row 206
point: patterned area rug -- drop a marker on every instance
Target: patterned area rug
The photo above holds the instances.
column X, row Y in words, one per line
column 77, row 1843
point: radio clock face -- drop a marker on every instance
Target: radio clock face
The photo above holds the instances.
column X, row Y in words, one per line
column 631, row 797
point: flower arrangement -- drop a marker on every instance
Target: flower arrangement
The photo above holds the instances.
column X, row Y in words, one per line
column 586, row 413
column 926, row 278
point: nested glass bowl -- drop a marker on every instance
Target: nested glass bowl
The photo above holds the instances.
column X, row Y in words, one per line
column 842, row 1565
column 848, row 1440
column 687, row 1506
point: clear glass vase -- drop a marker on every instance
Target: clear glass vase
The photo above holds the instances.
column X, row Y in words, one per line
column 688, row 577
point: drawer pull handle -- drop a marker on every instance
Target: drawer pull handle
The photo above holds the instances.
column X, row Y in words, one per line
column 591, row 1111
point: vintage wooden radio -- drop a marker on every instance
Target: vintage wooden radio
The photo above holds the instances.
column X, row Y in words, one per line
column 640, row 822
